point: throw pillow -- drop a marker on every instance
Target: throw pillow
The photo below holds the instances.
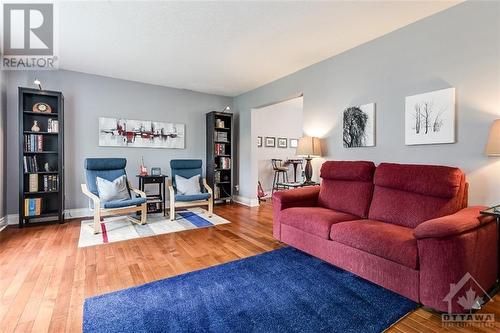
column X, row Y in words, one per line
column 186, row 186
column 113, row 190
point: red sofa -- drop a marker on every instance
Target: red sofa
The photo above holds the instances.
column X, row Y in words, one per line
column 404, row 227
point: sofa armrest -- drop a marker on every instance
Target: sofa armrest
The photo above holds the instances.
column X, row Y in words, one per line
column 451, row 247
column 304, row 196
column 462, row 221
column 300, row 197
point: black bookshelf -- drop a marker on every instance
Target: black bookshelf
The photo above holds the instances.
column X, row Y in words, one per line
column 41, row 158
column 220, row 153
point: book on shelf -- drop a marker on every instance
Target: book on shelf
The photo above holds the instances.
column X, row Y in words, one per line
column 217, row 176
column 50, row 183
column 33, row 142
column 225, row 163
column 216, row 192
column 220, row 149
column 220, row 136
column 33, row 182
column 30, row 164
column 32, row 206
column 53, row 126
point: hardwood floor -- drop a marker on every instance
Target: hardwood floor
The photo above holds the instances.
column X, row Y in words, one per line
column 45, row 277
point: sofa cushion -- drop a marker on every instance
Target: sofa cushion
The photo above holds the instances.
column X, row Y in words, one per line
column 314, row 220
column 408, row 195
column 385, row 240
column 347, row 186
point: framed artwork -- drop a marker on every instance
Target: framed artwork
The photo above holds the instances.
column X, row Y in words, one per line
column 259, row 141
column 282, row 143
column 430, row 118
column 270, row 141
column 359, row 126
column 294, row 143
column 119, row 132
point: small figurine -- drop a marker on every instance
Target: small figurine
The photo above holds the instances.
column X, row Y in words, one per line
column 46, row 166
column 143, row 171
column 35, row 127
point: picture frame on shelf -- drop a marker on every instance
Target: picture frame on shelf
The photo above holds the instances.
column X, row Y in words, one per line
column 259, row 141
column 270, row 141
column 282, row 143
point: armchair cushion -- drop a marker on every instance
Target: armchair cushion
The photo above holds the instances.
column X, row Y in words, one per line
column 123, row 203
column 185, row 169
column 192, row 197
column 454, row 224
column 106, row 168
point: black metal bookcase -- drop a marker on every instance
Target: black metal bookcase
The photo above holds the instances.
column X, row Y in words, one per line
column 220, row 153
column 41, row 157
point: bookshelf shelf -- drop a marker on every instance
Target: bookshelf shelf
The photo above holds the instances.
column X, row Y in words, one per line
column 41, row 193
column 41, row 114
column 42, row 152
column 220, row 152
column 41, row 133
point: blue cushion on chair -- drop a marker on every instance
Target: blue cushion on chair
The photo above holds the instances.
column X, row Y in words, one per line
column 123, row 203
column 193, row 197
column 107, row 168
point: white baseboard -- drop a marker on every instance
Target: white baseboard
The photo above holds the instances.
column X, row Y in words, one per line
column 246, row 201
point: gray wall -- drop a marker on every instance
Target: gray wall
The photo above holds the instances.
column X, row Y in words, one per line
column 3, row 148
column 458, row 48
column 87, row 97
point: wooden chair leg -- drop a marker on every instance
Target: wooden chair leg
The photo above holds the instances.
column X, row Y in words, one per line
column 172, row 210
column 210, row 207
column 144, row 213
column 97, row 221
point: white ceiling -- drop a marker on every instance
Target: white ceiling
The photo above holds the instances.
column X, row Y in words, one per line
column 225, row 48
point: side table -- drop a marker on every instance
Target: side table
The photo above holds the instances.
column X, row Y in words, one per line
column 155, row 201
column 495, row 211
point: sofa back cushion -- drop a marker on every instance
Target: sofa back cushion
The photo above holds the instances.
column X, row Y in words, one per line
column 408, row 195
column 347, row 186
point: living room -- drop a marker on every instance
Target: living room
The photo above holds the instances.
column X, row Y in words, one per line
column 132, row 149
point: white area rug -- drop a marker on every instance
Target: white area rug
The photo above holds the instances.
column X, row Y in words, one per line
column 120, row 228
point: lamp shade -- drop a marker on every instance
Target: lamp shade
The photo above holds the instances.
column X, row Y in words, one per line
column 493, row 146
column 309, row 146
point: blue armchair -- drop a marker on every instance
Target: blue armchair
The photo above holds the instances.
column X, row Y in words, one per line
column 188, row 169
column 110, row 169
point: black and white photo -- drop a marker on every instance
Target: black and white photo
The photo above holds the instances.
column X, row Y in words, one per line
column 282, row 143
column 359, row 126
column 270, row 141
column 430, row 117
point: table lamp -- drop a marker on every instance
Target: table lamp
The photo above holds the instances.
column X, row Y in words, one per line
column 308, row 148
column 493, row 146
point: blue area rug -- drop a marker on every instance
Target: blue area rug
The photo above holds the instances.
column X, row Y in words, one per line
column 280, row 291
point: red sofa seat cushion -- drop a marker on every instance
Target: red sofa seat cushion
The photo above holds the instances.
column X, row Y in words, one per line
column 347, row 186
column 314, row 220
column 386, row 240
column 408, row 195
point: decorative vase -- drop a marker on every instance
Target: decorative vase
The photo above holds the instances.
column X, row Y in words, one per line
column 35, row 127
